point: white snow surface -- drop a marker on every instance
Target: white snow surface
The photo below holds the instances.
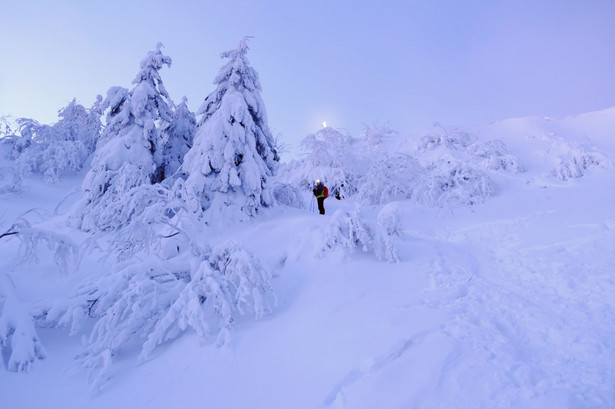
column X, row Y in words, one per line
column 509, row 303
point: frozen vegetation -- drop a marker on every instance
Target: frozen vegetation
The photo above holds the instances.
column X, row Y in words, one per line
column 155, row 257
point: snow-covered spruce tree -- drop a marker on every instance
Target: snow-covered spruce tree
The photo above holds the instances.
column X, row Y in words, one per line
column 124, row 157
column 178, row 136
column 233, row 156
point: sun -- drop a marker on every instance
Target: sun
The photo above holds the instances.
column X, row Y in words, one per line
column 324, row 124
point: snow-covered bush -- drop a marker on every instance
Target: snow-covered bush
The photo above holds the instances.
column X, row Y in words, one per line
column 390, row 218
column 376, row 139
column 349, row 231
column 452, row 183
column 578, row 162
column 439, row 137
column 288, row 195
column 11, row 181
column 53, row 150
column 330, row 158
column 124, row 157
column 19, row 341
column 233, row 157
column 392, row 177
column 495, row 156
column 150, row 302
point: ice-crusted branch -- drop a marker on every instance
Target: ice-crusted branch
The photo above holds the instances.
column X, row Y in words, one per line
column 65, row 250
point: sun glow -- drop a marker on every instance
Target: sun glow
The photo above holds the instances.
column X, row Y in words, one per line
column 324, row 124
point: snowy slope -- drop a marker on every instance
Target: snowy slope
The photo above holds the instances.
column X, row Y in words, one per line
column 506, row 304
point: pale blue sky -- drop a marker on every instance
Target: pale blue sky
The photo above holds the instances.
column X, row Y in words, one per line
column 350, row 63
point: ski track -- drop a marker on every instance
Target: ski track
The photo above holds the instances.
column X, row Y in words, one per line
column 498, row 306
column 376, row 365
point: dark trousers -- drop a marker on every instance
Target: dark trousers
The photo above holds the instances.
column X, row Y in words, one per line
column 321, row 204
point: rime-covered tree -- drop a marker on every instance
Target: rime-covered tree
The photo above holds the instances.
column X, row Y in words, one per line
column 233, row 156
column 124, row 157
column 332, row 157
column 178, row 136
column 57, row 149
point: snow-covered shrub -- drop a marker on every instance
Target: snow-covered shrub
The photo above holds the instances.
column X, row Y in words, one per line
column 17, row 135
column 11, row 181
column 577, row 164
column 233, row 157
column 390, row 218
column 288, row 195
column 390, row 178
column 349, row 231
column 124, row 157
column 495, row 156
column 455, row 139
column 19, row 341
column 150, row 302
column 55, row 149
column 330, row 158
column 451, row 182
column 376, row 138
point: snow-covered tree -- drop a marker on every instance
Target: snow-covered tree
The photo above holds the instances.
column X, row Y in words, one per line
column 349, row 231
column 494, row 156
column 233, row 156
column 330, row 157
column 153, row 301
column 391, row 177
column 391, row 219
column 577, row 161
column 55, row 149
column 451, row 182
column 440, row 137
column 178, row 136
column 377, row 138
column 124, row 157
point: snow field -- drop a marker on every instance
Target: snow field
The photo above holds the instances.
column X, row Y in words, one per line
column 505, row 304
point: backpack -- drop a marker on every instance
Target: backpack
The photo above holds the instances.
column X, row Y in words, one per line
column 326, row 192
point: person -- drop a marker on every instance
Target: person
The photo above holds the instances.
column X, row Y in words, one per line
column 321, row 192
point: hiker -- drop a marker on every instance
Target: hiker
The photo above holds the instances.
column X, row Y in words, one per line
column 321, row 192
